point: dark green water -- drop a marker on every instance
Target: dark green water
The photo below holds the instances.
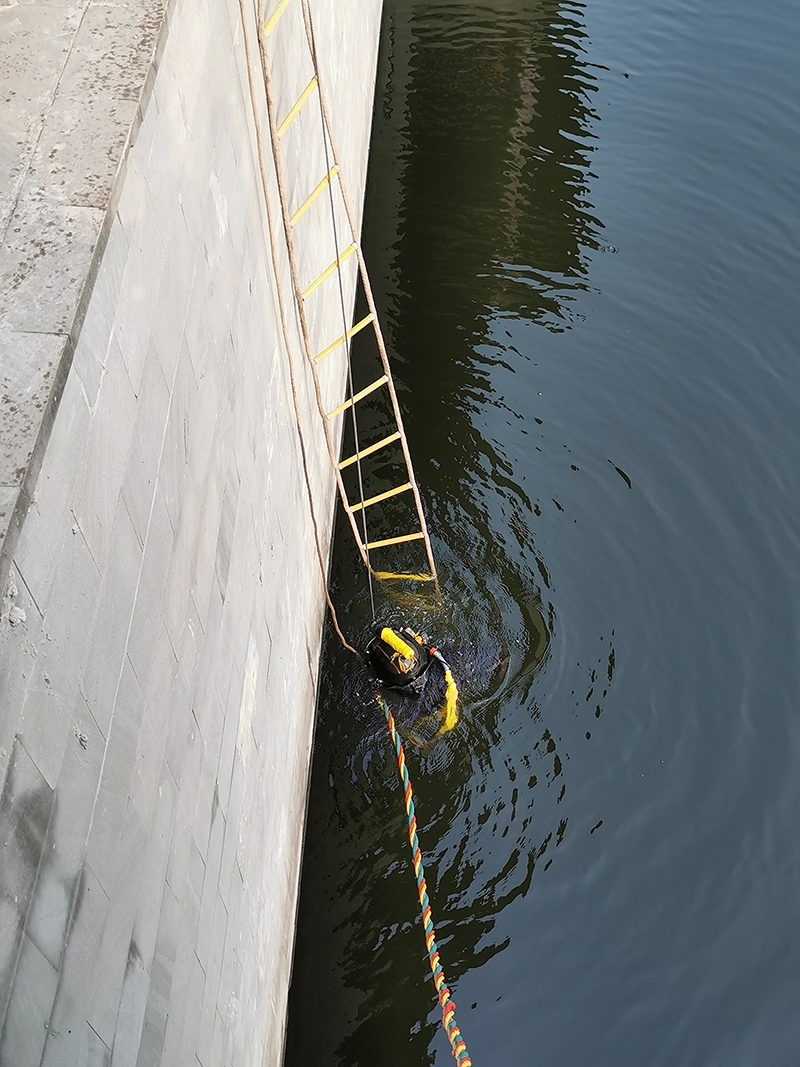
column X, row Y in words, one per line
column 583, row 227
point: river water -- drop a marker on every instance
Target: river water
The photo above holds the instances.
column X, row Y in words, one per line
column 583, row 228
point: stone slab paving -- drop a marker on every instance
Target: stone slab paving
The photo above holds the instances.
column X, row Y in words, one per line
column 162, row 604
column 73, row 79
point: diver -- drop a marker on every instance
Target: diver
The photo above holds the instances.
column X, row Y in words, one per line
column 404, row 662
column 401, row 659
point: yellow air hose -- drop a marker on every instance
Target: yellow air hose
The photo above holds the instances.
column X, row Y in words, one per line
column 448, row 712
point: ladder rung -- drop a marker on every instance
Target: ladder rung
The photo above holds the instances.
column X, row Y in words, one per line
column 396, row 540
column 388, row 576
column 368, row 451
column 359, row 396
column 276, row 14
column 287, row 122
column 383, row 496
column 328, row 271
column 341, row 340
column 310, row 199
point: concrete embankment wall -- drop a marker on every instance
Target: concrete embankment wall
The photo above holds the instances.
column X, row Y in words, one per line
column 162, row 600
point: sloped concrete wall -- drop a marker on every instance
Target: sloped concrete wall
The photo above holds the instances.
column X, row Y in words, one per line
column 161, row 622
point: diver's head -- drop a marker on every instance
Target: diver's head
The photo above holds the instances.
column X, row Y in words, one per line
column 399, row 658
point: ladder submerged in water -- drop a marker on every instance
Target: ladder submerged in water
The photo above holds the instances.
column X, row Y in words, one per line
column 331, row 183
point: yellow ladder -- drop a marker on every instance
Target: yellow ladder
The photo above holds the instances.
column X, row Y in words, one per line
column 270, row 46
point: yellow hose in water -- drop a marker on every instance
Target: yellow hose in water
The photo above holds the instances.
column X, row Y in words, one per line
column 448, row 712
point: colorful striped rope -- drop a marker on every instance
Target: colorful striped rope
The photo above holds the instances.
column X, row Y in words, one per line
column 445, row 1001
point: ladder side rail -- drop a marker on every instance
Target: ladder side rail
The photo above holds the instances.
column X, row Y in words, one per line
column 369, row 296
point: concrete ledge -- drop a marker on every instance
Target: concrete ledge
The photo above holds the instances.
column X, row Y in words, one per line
column 75, row 80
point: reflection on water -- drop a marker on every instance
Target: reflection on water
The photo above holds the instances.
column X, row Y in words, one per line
column 608, row 452
column 491, row 121
column 450, row 228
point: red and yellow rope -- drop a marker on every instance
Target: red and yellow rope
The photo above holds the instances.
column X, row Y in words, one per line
column 448, row 1007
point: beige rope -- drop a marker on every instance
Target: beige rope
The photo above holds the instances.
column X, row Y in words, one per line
column 370, row 301
column 288, row 228
column 362, row 506
column 364, row 546
column 284, row 325
column 282, row 194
